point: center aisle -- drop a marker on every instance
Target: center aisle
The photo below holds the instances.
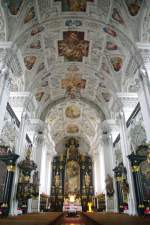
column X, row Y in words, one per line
column 75, row 220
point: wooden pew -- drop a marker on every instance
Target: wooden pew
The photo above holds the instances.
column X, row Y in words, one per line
column 32, row 219
column 117, row 219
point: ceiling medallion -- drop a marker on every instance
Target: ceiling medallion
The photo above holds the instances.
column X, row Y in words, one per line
column 72, row 129
column 72, row 112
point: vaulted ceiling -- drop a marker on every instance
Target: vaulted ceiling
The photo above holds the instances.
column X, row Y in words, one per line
column 76, row 57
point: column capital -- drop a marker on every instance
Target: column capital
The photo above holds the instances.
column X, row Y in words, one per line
column 107, row 126
column 37, row 125
column 38, row 138
column 120, row 117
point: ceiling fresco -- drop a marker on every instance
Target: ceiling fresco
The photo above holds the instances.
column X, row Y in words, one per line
column 76, row 57
column 69, row 120
column 72, row 129
column 134, row 6
column 29, row 61
column 74, row 5
column 73, row 47
column 117, row 63
column 72, row 111
column 29, row 15
column 117, row 16
column 14, row 6
column 73, row 84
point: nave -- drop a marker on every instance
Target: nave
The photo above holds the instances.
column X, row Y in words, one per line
column 74, row 111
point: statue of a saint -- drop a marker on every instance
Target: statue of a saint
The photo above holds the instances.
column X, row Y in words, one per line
column 72, row 151
column 87, row 179
column 57, row 180
column 109, row 186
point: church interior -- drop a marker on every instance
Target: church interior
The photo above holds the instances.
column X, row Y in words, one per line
column 74, row 112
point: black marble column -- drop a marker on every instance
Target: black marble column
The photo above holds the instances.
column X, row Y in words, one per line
column 119, row 178
column 135, row 161
column 10, row 161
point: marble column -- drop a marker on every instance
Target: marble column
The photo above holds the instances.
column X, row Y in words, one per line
column 136, row 160
column 125, row 149
column 10, row 161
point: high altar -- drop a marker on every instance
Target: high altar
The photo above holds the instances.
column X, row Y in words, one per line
column 72, row 178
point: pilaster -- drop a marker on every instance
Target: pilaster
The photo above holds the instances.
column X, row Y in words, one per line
column 125, row 152
column 109, row 162
column 20, row 147
column 4, row 93
column 144, row 85
column 144, row 99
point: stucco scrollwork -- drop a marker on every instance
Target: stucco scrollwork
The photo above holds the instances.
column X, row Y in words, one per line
column 138, row 136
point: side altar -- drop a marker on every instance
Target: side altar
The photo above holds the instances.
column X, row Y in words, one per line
column 72, row 175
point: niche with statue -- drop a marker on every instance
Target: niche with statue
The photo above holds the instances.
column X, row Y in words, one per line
column 72, row 177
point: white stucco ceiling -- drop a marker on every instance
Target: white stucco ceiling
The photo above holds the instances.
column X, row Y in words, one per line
column 75, row 57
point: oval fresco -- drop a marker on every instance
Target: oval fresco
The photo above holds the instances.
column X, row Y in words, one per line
column 72, row 112
column 72, row 129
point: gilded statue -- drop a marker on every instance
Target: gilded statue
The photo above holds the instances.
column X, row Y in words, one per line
column 71, row 151
column 125, row 187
